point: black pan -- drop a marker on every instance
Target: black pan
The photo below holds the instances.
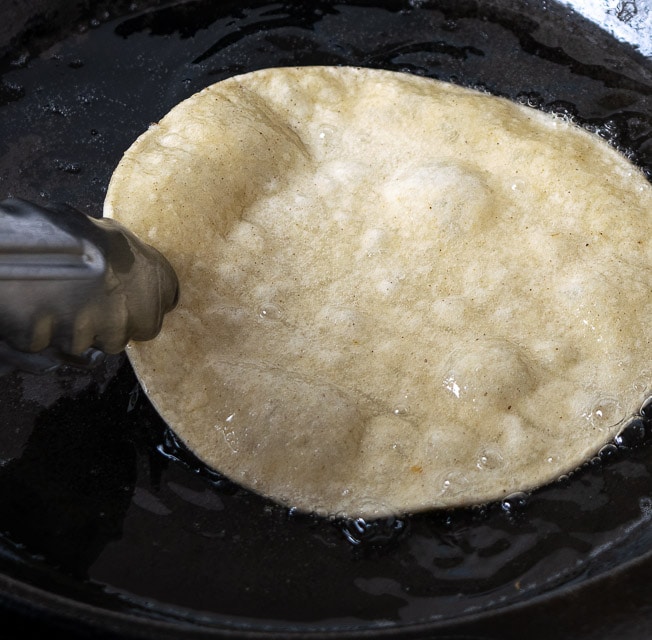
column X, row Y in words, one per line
column 108, row 526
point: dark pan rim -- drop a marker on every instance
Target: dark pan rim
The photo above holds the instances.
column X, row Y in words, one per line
column 69, row 614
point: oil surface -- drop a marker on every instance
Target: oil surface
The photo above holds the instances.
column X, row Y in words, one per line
column 98, row 501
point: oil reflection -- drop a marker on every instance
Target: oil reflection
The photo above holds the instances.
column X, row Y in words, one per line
column 65, row 496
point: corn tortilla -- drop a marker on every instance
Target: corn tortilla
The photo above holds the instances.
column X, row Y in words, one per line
column 397, row 294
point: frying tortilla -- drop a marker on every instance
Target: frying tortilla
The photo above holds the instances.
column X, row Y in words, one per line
column 397, row 294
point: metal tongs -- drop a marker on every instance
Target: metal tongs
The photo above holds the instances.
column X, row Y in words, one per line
column 74, row 288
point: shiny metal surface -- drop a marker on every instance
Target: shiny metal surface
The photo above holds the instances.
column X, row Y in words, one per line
column 73, row 287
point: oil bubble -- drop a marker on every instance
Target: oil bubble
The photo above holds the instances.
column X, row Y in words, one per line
column 454, row 483
column 646, row 409
column 326, row 133
column 489, row 458
column 514, row 503
column 563, row 110
column 564, row 479
column 608, row 452
column 359, row 531
column 606, row 412
column 480, row 512
column 270, row 311
column 594, row 463
column 530, row 99
column 641, row 385
column 633, row 435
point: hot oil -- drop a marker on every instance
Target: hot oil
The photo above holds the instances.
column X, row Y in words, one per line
column 136, row 523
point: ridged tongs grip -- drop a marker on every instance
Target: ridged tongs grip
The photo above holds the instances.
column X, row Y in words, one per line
column 73, row 287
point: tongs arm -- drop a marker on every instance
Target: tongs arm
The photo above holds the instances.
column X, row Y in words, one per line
column 73, row 287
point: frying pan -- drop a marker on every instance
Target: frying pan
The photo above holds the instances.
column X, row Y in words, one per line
column 110, row 528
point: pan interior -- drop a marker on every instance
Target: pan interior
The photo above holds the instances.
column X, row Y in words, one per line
column 102, row 506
